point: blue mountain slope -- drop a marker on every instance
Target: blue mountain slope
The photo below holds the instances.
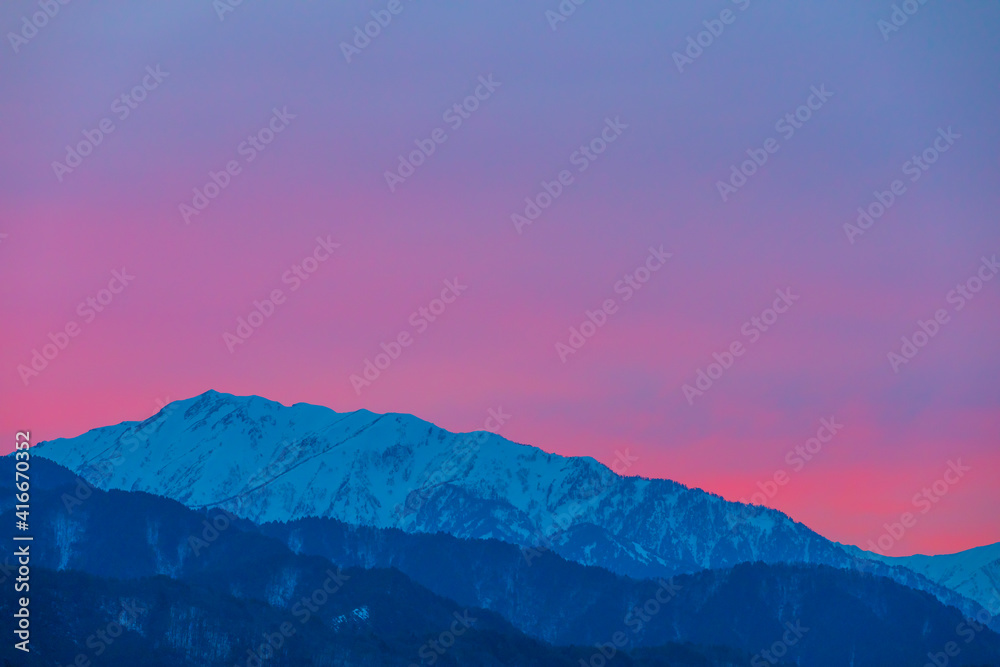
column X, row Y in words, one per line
column 267, row 462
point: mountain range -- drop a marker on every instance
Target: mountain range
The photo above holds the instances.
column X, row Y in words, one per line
column 558, row 551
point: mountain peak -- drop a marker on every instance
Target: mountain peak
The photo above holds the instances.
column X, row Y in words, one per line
column 396, row 470
column 267, row 462
column 214, row 396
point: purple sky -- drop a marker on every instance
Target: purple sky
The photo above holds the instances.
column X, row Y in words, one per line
column 640, row 146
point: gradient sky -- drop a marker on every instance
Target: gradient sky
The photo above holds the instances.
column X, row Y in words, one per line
column 161, row 338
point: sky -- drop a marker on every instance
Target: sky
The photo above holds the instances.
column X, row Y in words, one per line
column 631, row 228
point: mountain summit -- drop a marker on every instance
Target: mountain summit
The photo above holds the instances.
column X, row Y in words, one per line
column 267, row 462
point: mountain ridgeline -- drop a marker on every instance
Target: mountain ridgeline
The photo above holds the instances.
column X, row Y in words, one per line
column 247, row 501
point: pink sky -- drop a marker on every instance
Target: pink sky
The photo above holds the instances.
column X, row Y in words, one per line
column 161, row 337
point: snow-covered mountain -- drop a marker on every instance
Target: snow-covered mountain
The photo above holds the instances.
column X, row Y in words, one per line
column 974, row 573
column 206, row 600
column 268, row 462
